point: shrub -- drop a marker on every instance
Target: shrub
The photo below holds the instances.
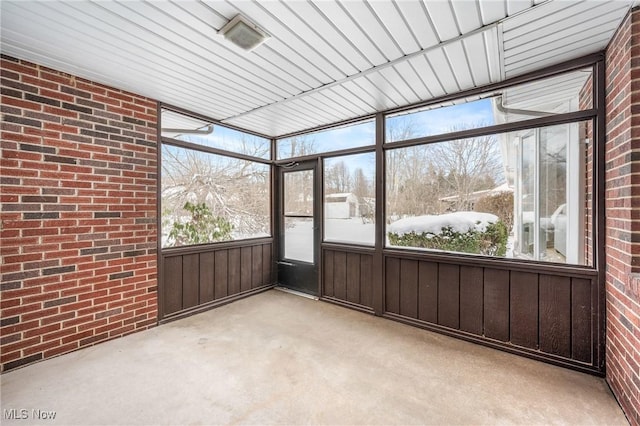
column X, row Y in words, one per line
column 491, row 242
column 500, row 204
column 202, row 227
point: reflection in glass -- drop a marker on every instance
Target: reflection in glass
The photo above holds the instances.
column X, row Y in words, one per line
column 349, row 199
column 298, row 238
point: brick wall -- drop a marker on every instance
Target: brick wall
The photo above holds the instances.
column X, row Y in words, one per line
column 78, row 193
column 623, row 215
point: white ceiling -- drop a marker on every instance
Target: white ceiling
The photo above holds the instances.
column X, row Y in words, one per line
column 326, row 61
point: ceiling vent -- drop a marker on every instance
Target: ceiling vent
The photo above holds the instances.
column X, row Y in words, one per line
column 244, row 33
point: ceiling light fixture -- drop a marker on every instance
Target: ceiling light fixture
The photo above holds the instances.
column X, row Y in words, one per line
column 244, row 33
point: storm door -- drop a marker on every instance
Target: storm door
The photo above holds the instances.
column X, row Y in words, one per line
column 299, row 230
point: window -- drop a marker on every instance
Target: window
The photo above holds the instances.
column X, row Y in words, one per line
column 214, row 136
column 349, row 199
column 522, row 194
column 516, row 195
column 351, row 136
column 554, row 95
column 209, row 198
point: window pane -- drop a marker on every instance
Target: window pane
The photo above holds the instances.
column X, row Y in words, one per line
column 352, row 136
column 208, row 198
column 177, row 126
column 349, row 199
column 298, row 193
column 298, row 238
column 555, row 95
column 517, row 195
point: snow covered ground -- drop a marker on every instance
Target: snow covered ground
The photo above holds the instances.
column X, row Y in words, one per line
column 349, row 231
column 433, row 224
column 298, row 243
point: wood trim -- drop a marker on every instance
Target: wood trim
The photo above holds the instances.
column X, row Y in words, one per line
column 496, row 263
column 214, row 304
column 506, row 347
column 201, row 248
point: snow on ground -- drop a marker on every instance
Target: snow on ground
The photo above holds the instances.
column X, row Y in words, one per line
column 349, row 231
column 432, row 224
column 298, row 236
column 298, row 239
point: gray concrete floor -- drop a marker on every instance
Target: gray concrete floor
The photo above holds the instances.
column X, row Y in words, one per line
column 276, row 358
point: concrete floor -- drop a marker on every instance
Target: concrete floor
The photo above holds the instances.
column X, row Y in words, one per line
column 276, row 358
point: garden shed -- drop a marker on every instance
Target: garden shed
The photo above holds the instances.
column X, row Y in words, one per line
column 342, row 206
column 468, row 168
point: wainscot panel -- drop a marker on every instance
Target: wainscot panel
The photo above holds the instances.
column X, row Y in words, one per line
column 347, row 276
column 199, row 277
column 544, row 312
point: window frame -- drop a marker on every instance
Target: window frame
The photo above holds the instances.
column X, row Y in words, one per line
column 595, row 115
column 165, row 140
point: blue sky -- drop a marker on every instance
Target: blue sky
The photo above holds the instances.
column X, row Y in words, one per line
column 424, row 123
column 443, row 120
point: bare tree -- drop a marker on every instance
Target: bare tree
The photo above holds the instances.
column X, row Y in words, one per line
column 298, row 146
column 362, row 187
column 337, row 178
column 237, row 190
column 468, row 165
column 398, row 129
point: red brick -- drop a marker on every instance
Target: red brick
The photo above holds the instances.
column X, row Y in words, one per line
column 620, row 199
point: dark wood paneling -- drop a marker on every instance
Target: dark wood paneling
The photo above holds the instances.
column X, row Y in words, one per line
column 471, row 300
column 256, row 266
column 190, row 276
column 428, row 292
column 524, row 309
column 172, row 277
column 207, row 279
column 347, row 276
column 496, row 304
column 327, row 276
column 366, row 281
column 392, row 288
column 555, row 315
column 353, row 277
column 409, row 288
column 246, row 267
column 234, row 263
column 548, row 314
column 221, row 274
column 581, row 336
column 340, row 275
column 449, row 295
column 267, row 264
